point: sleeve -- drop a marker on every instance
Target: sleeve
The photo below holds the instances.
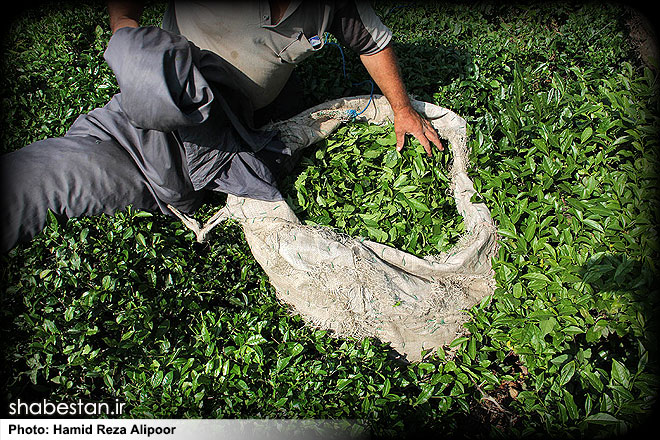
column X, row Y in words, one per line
column 168, row 84
column 356, row 25
column 162, row 88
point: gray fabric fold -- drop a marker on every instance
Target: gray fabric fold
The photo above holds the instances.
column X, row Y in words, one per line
column 175, row 127
column 169, row 84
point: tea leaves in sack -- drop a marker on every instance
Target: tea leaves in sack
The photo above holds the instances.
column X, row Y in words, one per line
column 356, row 182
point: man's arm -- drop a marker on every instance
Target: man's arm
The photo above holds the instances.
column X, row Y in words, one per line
column 384, row 69
column 124, row 14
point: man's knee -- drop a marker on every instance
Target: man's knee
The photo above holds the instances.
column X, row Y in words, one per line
column 71, row 176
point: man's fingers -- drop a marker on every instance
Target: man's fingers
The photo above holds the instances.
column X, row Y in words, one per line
column 400, row 139
column 424, row 133
column 436, row 139
column 421, row 137
column 432, row 135
column 437, row 142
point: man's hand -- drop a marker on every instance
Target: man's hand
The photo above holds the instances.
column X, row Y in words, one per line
column 124, row 14
column 408, row 121
column 384, row 70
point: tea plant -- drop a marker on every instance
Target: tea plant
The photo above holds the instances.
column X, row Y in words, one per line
column 563, row 121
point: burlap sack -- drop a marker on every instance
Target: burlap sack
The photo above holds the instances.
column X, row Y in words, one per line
column 356, row 287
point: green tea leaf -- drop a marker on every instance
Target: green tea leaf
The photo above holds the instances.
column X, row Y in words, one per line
column 566, row 373
column 417, row 205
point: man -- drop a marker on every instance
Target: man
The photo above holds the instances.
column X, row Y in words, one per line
column 192, row 98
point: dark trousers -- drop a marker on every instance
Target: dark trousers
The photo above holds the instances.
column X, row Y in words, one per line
column 86, row 173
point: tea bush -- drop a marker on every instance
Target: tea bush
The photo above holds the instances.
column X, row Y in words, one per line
column 563, row 121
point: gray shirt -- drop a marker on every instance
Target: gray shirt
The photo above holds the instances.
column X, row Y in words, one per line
column 176, row 98
column 262, row 54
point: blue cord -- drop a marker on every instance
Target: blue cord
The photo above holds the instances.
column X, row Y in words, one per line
column 343, row 61
column 371, row 96
column 351, row 113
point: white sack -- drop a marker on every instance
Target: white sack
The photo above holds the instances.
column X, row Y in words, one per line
column 356, row 287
